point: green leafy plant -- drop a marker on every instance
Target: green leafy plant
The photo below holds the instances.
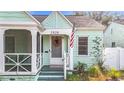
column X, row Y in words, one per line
column 94, row 71
column 97, row 48
column 97, row 53
column 81, row 67
column 114, row 74
column 73, row 77
column 77, row 77
column 79, row 74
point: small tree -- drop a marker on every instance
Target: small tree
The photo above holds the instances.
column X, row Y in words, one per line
column 97, row 52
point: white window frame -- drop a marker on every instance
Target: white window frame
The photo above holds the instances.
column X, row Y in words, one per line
column 78, row 45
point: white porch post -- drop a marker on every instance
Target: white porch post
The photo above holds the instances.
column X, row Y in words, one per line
column 2, row 50
column 40, row 51
column 34, row 50
column 71, row 55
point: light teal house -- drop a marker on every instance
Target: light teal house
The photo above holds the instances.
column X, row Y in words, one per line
column 114, row 35
column 38, row 47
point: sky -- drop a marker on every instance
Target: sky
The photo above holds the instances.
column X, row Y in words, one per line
column 71, row 12
column 48, row 12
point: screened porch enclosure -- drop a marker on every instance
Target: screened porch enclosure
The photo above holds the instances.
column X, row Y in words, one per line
column 18, row 51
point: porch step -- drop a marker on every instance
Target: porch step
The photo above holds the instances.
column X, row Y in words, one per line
column 52, row 69
column 48, row 73
column 51, row 73
column 50, row 79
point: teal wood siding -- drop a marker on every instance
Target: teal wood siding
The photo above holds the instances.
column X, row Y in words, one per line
column 55, row 20
column 88, row 59
column 22, row 40
column 46, row 47
column 14, row 16
column 114, row 33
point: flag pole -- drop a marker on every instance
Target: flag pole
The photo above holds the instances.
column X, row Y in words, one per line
column 71, row 47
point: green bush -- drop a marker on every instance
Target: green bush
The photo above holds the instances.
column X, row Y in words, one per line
column 77, row 77
column 79, row 74
column 114, row 74
column 81, row 67
column 94, row 71
column 73, row 77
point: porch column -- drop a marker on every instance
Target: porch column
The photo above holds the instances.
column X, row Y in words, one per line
column 40, row 51
column 2, row 50
column 71, row 54
column 34, row 50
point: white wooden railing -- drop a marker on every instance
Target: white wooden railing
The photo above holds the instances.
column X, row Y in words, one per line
column 39, row 62
column 17, row 62
column 66, row 63
column 65, row 66
column 67, row 60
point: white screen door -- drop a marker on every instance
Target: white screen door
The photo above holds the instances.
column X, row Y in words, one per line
column 56, row 50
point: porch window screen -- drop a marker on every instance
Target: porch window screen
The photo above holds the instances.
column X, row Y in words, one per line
column 9, row 44
column 83, row 46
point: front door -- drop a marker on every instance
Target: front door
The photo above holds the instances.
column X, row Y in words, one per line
column 56, row 50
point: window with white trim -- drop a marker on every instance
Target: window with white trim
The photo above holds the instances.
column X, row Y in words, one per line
column 82, row 45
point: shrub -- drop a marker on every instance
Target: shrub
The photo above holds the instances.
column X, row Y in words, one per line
column 77, row 77
column 94, row 71
column 81, row 68
column 114, row 74
column 73, row 77
column 80, row 73
column 101, row 67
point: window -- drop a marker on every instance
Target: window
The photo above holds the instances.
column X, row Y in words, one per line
column 113, row 44
column 10, row 44
column 83, row 46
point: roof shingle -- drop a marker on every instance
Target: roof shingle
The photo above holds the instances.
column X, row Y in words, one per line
column 80, row 21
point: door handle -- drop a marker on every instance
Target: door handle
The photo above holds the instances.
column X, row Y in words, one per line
column 49, row 50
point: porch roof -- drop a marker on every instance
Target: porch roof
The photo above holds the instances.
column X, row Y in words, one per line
column 18, row 18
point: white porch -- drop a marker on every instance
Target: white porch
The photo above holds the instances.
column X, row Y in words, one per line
column 20, row 54
column 26, row 57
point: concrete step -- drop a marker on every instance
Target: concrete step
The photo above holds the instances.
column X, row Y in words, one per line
column 52, row 69
column 52, row 72
column 49, row 68
column 50, row 79
column 49, row 73
column 51, row 76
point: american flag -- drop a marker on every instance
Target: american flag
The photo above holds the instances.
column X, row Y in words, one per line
column 72, row 36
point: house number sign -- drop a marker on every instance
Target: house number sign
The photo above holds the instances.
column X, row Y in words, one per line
column 54, row 32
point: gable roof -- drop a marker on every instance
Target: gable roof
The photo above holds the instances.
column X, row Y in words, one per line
column 34, row 19
column 120, row 21
column 56, row 20
column 84, row 21
column 18, row 17
column 114, row 25
column 80, row 21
